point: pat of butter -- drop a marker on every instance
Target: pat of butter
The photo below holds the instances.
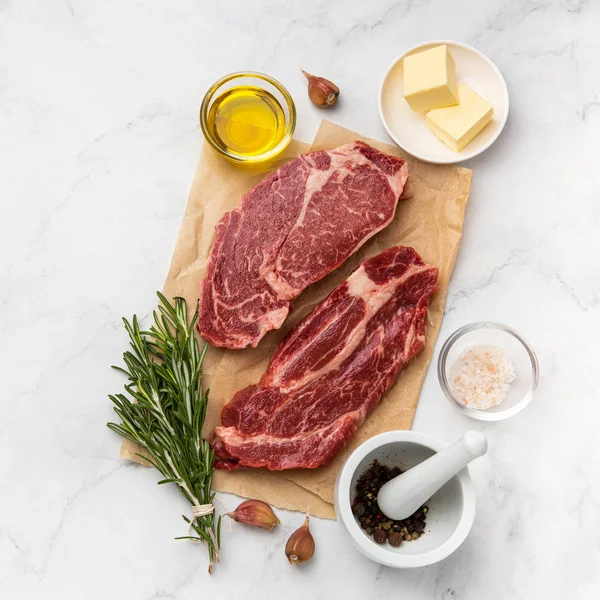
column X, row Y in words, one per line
column 457, row 125
column 430, row 79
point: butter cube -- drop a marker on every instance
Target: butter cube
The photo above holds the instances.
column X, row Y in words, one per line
column 457, row 125
column 430, row 79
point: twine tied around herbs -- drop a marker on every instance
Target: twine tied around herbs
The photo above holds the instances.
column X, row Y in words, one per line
column 202, row 510
column 199, row 510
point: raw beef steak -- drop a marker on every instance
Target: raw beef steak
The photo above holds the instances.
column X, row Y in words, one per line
column 289, row 231
column 332, row 369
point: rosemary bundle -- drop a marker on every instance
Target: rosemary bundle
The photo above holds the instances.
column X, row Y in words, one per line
column 164, row 412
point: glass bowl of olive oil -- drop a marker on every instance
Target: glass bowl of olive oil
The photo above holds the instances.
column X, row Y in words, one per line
column 248, row 117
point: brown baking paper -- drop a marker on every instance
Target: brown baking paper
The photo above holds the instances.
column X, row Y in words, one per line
column 431, row 222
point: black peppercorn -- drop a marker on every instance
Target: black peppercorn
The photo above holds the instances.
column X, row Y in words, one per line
column 369, row 515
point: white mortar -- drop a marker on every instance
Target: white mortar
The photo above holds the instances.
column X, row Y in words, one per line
column 451, row 509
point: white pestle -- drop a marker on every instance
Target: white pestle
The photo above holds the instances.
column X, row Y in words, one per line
column 402, row 496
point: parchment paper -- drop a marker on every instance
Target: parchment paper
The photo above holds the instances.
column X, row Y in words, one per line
column 431, row 222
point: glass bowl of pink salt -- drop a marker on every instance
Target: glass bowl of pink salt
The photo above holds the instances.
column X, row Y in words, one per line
column 488, row 371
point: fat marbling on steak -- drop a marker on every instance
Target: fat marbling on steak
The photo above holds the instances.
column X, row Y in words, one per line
column 332, row 369
column 291, row 230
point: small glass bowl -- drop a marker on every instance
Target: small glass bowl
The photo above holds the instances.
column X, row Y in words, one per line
column 259, row 80
column 520, row 353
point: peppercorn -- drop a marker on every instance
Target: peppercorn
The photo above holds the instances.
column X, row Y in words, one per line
column 369, row 515
column 419, row 525
column 395, row 539
column 379, row 536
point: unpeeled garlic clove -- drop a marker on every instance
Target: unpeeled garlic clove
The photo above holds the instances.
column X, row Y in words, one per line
column 301, row 545
column 321, row 91
column 255, row 512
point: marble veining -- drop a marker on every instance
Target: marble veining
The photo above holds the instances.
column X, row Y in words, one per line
column 99, row 138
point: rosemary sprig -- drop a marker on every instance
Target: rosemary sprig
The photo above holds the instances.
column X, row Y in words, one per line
column 165, row 408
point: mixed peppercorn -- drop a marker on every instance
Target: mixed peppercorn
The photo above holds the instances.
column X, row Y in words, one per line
column 372, row 520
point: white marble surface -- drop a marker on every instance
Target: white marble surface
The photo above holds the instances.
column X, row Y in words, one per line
column 98, row 142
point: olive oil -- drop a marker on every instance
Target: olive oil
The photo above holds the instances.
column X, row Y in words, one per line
column 247, row 120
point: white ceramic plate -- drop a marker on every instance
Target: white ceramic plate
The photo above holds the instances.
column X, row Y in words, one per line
column 408, row 129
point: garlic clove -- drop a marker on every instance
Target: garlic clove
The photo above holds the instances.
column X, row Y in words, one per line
column 301, row 545
column 256, row 513
column 321, row 91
